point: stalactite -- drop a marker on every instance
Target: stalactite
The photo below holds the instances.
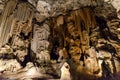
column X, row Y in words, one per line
column 5, row 17
column 22, row 15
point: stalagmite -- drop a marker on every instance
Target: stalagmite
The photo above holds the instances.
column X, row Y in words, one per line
column 65, row 73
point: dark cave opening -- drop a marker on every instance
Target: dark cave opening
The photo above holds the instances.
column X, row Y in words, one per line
column 25, row 37
column 104, row 30
column 54, row 52
column 27, row 58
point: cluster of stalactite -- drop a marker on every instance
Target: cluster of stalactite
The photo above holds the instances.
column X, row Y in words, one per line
column 91, row 41
column 71, row 31
column 85, row 40
column 15, row 31
column 23, row 40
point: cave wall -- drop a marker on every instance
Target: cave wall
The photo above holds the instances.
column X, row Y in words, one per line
column 85, row 34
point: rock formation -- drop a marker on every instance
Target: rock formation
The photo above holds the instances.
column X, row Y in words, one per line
column 60, row 39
